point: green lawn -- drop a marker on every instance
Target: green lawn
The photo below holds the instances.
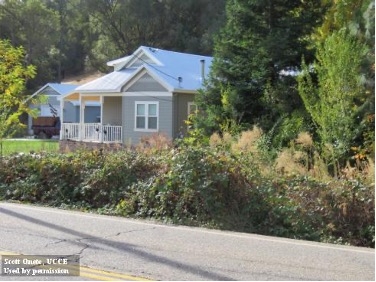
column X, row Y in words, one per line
column 28, row 145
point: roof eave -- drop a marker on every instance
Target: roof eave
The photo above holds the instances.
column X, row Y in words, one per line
column 184, row 91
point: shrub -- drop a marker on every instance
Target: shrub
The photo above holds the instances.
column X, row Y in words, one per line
column 337, row 211
column 199, row 187
column 106, row 184
column 89, row 178
column 44, row 178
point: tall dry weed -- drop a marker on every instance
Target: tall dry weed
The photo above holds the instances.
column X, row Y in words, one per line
column 157, row 141
column 216, row 140
column 305, row 140
column 364, row 170
column 288, row 161
column 319, row 170
column 247, row 141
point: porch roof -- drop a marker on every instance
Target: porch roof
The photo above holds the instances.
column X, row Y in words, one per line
column 111, row 82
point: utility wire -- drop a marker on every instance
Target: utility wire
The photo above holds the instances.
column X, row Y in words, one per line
column 152, row 66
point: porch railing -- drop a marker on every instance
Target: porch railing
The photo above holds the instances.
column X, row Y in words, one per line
column 92, row 132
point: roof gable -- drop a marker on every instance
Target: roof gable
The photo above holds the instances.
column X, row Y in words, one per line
column 171, row 70
column 144, row 82
column 62, row 89
column 181, row 71
column 143, row 55
column 54, row 89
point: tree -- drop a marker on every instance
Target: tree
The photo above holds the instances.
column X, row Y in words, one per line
column 19, row 21
column 342, row 81
column 337, row 100
column 13, row 76
column 68, row 54
column 121, row 26
column 260, row 43
column 80, row 35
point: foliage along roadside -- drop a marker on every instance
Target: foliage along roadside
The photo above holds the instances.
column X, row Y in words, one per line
column 197, row 186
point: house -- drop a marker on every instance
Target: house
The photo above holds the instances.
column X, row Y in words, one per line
column 52, row 106
column 150, row 91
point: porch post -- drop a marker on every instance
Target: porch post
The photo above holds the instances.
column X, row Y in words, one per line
column 101, row 99
column 61, row 118
column 29, row 125
column 82, row 112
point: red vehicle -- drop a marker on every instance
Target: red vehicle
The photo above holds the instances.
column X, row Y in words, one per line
column 46, row 127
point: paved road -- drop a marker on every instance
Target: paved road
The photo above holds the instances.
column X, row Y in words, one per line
column 162, row 252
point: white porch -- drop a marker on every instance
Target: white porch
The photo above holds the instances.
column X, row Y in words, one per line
column 91, row 132
column 109, row 129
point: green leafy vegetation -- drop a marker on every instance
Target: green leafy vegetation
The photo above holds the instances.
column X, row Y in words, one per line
column 227, row 184
column 13, row 77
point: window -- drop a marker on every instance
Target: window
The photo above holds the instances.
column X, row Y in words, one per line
column 146, row 116
column 192, row 108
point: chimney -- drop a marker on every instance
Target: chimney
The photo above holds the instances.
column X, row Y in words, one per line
column 202, row 70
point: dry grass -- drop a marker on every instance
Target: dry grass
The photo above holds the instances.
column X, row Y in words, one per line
column 215, row 140
column 305, row 140
column 157, row 141
column 247, row 141
column 320, row 169
column 288, row 161
column 364, row 170
column 227, row 139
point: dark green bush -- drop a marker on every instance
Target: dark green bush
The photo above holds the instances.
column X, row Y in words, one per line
column 197, row 186
column 85, row 178
column 340, row 211
column 107, row 183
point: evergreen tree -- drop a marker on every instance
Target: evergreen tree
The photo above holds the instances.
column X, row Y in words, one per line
column 260, row 44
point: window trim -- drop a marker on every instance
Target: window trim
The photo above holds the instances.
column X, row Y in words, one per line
column 189, row 104
column 146, row 103
column 189, row 107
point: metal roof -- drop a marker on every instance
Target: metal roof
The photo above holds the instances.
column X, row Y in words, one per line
column 179, row 71
column 58, row 88
column 111, row 82
column 61, row 88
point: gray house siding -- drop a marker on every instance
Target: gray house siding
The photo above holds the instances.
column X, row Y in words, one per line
column 130, row 135
column 53, row 101
column 71, row 112
column 92, row 114
column 50, row 91
column 146, row 83
column 112, row 110
column 180, row 113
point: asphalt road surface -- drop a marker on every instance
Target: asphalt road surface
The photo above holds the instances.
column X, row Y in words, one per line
column 114, row 248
